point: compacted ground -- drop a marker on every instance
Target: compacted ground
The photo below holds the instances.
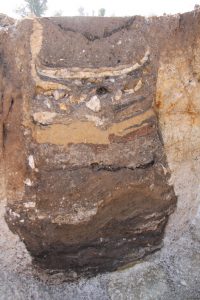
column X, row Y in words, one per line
column 172, row 273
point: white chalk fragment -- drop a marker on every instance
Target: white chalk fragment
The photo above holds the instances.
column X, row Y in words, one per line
column 94, row 104
column 29, row 204
column 31, row 161
column 28, row 182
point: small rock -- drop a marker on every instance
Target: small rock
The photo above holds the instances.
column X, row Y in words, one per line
column 47, row 103
column 59, row 94
column 29, row 204
column 152, row 187
column 118, row 95
column 31, row 162
column 48, row 93
column 26, row 132
column 138, row 86
column 94, row 104
column 145, row 58
column 132, row 86
column 63, row 106
column 98, row 121
column 44, row 117
column 130, row 91
column 183, row 283
column 82, row 98
column 78, row 82
column 28, row 182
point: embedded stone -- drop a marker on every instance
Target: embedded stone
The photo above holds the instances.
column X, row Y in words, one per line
column 63, row 106
column 138, row 86
column 118, row 95
column 59, row 94
column 94, row 104
column 44, row 117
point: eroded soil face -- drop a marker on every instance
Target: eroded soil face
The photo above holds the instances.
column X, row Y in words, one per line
column 85, row 166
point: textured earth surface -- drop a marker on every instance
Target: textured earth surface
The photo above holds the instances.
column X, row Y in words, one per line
column 86, row 176
column 173, row 271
